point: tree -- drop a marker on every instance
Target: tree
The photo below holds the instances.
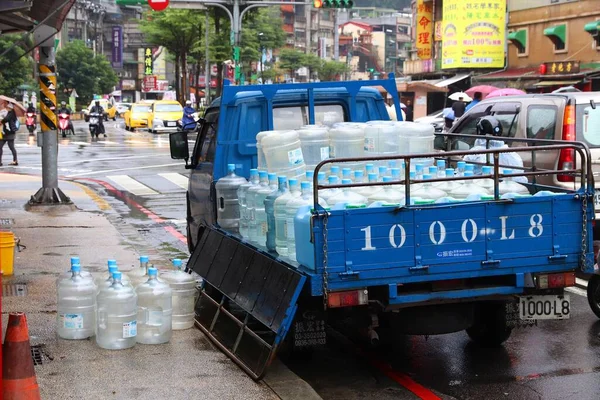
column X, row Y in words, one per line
column 291, row 60
column 78, row 68
column 313, row 63
column 176, row 30
column 15, row 68
column 332, row 69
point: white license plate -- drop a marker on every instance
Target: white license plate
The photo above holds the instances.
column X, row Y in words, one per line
column 171, row 123
column 597, row 199
column 545, row 307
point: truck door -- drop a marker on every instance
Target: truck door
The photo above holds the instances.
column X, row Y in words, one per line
column 201, row 188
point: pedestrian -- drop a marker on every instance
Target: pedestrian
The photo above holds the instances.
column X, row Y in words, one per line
column 459, row 108
column 476, row 99
column 9, row 131
column 409, row 110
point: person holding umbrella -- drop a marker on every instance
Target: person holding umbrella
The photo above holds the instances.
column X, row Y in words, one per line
column 9, row 131
column 476, row 99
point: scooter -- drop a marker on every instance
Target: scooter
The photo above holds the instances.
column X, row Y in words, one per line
column 30, row 123
column 95, row 124
column 64, row 125
column 190, row 126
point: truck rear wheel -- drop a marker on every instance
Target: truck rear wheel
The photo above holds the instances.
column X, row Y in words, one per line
column 593, row 294
column 490, row 328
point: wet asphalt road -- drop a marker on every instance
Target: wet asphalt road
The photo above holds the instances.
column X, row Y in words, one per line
column 143, row 193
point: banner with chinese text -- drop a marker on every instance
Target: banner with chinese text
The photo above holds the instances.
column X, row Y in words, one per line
column 117, row 46
column 424, row 37
column 148, row 64
column 474, row 34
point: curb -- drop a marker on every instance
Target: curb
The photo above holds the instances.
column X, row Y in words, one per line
column 581, row 283
column 287, row 385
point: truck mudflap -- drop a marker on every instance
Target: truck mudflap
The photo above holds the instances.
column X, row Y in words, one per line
column 248, row 300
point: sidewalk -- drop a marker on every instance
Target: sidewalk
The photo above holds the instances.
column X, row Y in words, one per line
column 187, row 367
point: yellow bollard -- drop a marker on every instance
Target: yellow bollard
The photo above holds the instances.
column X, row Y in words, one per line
column 7, row 252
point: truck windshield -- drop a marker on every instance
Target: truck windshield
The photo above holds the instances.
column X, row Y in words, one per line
column 295, row 117
column 587, row 124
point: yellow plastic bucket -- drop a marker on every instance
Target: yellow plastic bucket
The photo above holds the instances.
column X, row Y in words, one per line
column 7, row 252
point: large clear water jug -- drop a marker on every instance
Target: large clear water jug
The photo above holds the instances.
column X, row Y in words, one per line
column 359, row 177
column 116, row 326
column 262, row 160
column 508, row 185
column 228, row 208
column 315, row 145
column 242, row 201
column 381, row 140
column 415, row 137
column 282, row 189
column 107, row 280
column 251, row 198
column 139, row 275
column 468, row 188
column 292, row 206
column 280, row 213
column 76, row 310
column 388, row 194
column 283, row 152
column 154, row 310
column 347, row 142
column 427, row 191
column 449, row 186
column 260, row 211
column 184, row 291
column 486, row 183
column 347, row 196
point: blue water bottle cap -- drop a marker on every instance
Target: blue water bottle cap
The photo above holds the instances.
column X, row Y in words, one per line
column 396, row 172
column 272, row 176
column 75, row 267
column 359, row 173
column 116, row 275
column 486, row 170
column 310, row 174
column 231, row 167
column 369, row 167
column 347, row 171
column 305, row 185
column 426, row 176
column 253, row 172
column 293, row 181
column 321, row 176
column 461, row 164
column 112, row 262
column 282, row 179
column 74, row 260
column 346, row 181
column 335, row 169
column 470, row 167
column 112, row 268
column 152, row 271
column 387, row 179
column 333, row 179
column 177, row 262
column 392, row 163
column 372, row 177
column 263, row 174
column 441, row 164
column 418, row 167
column 144, row 259
column 382, row 170
column 468, row 173
column 507, row 171
column 449, row 172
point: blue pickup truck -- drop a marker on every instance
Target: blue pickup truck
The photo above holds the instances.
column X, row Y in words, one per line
column 480, row 266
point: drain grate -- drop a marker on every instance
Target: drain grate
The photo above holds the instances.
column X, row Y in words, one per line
column 36, row 354
column 6, row 221
column 14, row 289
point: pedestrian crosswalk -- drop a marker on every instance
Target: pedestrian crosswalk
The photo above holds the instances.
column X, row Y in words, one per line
column 149, row 185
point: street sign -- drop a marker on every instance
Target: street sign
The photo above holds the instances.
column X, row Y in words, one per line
column 158, row 5
column 150, row 83
column 231, row 38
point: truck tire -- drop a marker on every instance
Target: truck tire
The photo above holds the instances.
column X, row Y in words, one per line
column 593, row 294
column 490, row 328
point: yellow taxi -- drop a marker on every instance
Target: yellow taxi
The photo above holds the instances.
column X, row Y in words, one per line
column 110, row 111
column 136, row 116
column 164, row 115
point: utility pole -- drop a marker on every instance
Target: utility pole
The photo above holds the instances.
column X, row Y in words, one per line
column 207, row 74
column 336, row 36
column 49, row 194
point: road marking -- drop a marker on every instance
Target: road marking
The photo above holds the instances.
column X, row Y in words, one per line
column 131, row 185
column 122, row 169
column 581, row 282
column 576, row 290
column 123, row 157
column 100, row 202
column 81, row 143
column 178, row 179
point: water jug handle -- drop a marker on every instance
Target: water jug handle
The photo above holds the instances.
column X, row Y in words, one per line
column 142, row 315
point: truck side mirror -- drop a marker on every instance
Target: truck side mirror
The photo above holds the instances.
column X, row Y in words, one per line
column 178, row 143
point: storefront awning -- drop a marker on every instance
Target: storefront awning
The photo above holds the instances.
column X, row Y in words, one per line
column 555, row 83
column 592, row 27
column 558, row 31
column 519, row 37
column 450, row 81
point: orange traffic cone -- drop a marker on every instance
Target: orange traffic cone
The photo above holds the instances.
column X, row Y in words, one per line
column 18, row 373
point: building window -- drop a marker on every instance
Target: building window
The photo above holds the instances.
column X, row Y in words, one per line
column 519, row 40
column 558, row 35
column 593, row 28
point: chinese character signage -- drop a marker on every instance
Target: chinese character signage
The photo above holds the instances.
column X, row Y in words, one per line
column 117, row 47
column 473, row 34
column 148, row 64
column 424, row 37
column 562, row 67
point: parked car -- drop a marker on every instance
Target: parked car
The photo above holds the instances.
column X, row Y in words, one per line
column 110, row 111
column 558, row 116
column 121, row 108
column 136, row 116
column 164, row 115
column 436, row 119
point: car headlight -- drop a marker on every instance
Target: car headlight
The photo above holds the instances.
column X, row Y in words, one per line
column 158, row 123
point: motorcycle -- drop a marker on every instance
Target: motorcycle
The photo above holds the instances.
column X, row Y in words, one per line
column 64, row 124
column 95, row 124
column 190, row 126
column 30, row 122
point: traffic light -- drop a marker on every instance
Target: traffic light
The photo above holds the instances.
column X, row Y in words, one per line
column 333, row 3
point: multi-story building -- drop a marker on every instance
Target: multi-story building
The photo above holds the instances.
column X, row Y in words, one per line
column 551, row 44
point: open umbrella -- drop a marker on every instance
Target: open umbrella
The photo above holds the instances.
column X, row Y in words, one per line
column 448, row 113
column 19, row 109
column 458, row 95
column 483, row 89
column 505, row 92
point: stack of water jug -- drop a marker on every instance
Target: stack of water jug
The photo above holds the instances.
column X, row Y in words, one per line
column 122, row 310
column 272, row 208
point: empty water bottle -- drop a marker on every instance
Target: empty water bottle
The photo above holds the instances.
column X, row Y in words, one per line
column 280, row 213
column 116, row 326
column 460, row 168
column 243, row 205
column 325, row 194
column 508, row 185
column 154, row 310
column 251, row 199
column 449, row 186
column 282, row 189
column 292, row 207
column 184, row 292
column 388, row 194
column 348, row 196
column 335, row 171
column 486, row 183
column 260, row 213
column 140, row 274
column 228, row 208
column 347, row 173
column 468, row 188
column 107, row 280
column 76, row 310
column 427, row 191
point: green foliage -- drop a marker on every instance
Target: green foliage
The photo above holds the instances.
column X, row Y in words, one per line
column 331, row 69
column 313, row 62
column 175, row 29
column 77, row 68
column 15, row 69
column 291, row 60
column 398, row 5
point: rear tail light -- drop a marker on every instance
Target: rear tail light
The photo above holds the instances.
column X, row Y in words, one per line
column 348, row 299
column 550, row 281
column 566, row 160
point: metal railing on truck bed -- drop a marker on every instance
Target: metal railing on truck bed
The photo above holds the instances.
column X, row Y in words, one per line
column 477, row 241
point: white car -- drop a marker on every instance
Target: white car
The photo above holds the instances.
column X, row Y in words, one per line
column 122, row 107
column 436, row 119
